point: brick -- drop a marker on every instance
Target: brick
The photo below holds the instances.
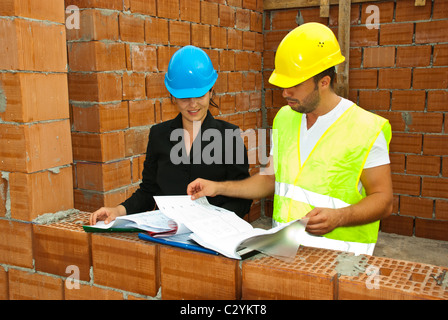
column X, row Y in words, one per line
column 430, row 78
column 136, row 141
column 190, row 10
column 98, row 147
column 39, row 193
column 24, row 285
column 408, row 11
column 156, row 31
column 141, row 113
column 104, row 4
column 134, row 86
column 398, row 224
column 435, row 187
column 432, row 229
column 218, row 37
column 16, row 243
column 414, row 56
column 441, row 209
column 4, row 292
column 96, row 25
column 144, row 58
column 208, row 277
column 34, row 97
column 393, row 34
column 409, row 100
column 397, row 162
column 132, row 28
column 416, row 206
column 256, row 22
column 396, row 119
column 103, row 176
column 363, row 79
column 144, row 6
column 360, row 36
column 249, row 41
column 235, row 81
column 226, row 16
column 21, row 49
column 90, row 201
column 309, row 276
column 96, row 56
column 54, row 11
column 200, row 35
column 100, row 118
column 124, row 262
column 60, row 245
column 155, row 85
column 432, row 31
column 180, row 34
column 429, row 122
column 423, row 165
column 406, row 184
column 235, row 39
column 435, row 145
column 168, row 9
column 374, row 100
column 91, row 292
column 392, row 280
column 379, row 57
column 209, row 13
column 18, row 143
column 397, row 78
column 440, row 56
column 437, row 100
column 4, row 205
column 99, row 87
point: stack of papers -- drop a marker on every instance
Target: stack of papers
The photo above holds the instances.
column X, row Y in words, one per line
column 199, row 223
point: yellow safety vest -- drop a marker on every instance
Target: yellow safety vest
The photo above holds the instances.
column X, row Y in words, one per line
column 330, row 175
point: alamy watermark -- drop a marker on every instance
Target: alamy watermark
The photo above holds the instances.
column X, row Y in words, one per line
column 73, row 20
column 373, row 20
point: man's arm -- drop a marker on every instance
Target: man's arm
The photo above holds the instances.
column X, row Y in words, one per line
column 375, row 206
column 257, row 186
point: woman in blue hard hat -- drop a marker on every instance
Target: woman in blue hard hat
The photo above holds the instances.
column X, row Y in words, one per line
column 192, row 145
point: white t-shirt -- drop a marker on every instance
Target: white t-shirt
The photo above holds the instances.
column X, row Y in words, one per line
column 378, row 155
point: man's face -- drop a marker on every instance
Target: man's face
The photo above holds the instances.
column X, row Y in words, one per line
column 304, row 97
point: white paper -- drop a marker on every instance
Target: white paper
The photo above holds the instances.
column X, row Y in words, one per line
column 223, row 231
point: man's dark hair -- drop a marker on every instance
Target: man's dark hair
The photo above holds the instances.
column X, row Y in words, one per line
column 331, row 72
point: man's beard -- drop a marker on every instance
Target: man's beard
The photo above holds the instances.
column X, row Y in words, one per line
column 309, row 104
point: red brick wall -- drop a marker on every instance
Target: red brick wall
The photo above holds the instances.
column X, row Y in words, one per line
column 117, row 63
column 74, row 112
column 399, row 71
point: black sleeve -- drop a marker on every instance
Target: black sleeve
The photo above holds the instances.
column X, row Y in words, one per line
column 237, row 169
column 142, row 200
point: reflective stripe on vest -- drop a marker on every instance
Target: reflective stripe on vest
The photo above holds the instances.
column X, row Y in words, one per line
column 312, row 198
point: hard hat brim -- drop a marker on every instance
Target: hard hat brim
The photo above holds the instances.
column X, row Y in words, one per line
column 191, row 92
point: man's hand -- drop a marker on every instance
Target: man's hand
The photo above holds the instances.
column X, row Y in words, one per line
column 201, row 188
column 323, row 220
column 107, row 214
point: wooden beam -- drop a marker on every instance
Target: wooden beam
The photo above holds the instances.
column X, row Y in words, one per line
column 324, row 8
column 342, row 87
column 288, row 4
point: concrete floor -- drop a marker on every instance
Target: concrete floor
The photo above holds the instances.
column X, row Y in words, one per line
column 399, row 247
column 413, row 249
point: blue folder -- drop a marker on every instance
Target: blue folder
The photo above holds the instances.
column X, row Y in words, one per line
column 180, row 241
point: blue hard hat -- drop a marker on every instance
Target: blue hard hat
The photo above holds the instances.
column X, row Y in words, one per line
column 190, row 73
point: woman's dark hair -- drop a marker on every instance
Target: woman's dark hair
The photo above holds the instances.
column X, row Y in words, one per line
column 212, row 102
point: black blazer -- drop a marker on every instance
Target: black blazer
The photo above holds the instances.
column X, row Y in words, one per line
column 162, row 176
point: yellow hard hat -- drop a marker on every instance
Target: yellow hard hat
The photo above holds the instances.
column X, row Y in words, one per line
column 305, row 52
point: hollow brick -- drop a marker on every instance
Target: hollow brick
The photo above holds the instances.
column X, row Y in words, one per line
column 63, row 244
column 16, row 243
column 25, row 285
column 124, row 262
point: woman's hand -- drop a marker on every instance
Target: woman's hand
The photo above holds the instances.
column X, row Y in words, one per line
column 107, row 214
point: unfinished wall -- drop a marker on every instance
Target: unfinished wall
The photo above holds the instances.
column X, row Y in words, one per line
column 399, row 71
column 100, row 91
column 117, row 63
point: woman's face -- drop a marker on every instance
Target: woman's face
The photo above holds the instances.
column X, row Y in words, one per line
column 194, row 109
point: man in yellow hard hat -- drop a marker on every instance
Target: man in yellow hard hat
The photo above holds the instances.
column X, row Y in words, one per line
column 330, row 157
